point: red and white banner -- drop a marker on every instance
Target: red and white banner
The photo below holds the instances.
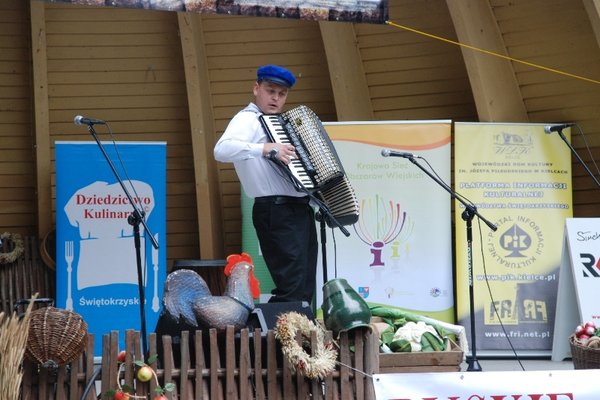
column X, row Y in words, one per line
column 507, row 385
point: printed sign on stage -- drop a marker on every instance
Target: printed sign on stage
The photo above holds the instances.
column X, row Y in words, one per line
column 513, row 385
column 519, row 178
column 399, row 253
column 579, row 282
column 97, row 274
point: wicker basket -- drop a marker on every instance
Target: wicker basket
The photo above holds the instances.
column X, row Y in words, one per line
column 584, row 357
column 56, row 336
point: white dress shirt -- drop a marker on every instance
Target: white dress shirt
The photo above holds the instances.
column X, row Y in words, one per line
column 242, row 144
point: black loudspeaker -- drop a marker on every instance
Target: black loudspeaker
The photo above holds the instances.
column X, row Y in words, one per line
column 167, row 325
column 264, row 316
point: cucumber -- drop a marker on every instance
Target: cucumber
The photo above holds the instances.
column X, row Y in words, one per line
column 400, row 345
column 434, row 341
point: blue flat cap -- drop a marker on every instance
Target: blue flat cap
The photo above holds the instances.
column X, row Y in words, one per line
column 276, row 74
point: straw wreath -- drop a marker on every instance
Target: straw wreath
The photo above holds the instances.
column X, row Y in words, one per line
column 323, row 360
column 11, row 256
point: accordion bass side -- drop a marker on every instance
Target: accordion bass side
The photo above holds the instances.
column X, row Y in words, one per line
column 318, row 167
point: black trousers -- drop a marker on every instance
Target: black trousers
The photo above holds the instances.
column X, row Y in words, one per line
column 287, row 234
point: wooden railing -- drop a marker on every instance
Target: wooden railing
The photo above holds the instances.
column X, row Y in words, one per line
column 25, row 277
column 210, row 365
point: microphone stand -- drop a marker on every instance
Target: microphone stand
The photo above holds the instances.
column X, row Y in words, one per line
column 562, row 136
column 467, row 215
column 322, row 215
column 134, row 219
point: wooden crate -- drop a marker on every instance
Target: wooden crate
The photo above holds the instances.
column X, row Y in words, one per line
column 428, row 361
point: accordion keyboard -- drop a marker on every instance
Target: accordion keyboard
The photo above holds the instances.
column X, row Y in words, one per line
column 272, row 123
column 318, row 167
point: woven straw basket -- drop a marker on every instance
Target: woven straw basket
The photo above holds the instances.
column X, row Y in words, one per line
column 56, row 336
column 584, row 357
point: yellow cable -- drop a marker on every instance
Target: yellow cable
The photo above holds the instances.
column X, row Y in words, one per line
column 491, row 53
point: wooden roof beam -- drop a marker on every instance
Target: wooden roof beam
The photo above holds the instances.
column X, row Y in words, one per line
column 202, row 131
column 493, row 82
column 348, row 81
column 593, row 10
column 42, row 119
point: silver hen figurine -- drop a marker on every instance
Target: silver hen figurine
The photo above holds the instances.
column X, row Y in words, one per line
column 188, row 301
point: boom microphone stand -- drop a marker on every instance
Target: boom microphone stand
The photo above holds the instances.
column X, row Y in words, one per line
column 135, row 219
column 562, row 136
column 467, row 215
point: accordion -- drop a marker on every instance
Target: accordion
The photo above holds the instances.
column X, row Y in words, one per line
column 318, row 167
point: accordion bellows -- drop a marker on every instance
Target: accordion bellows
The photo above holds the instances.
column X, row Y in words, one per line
column 318, row 167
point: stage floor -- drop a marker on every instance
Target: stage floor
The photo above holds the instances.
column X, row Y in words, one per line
column 526, row 364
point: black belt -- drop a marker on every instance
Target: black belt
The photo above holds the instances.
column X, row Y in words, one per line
column 282, row 200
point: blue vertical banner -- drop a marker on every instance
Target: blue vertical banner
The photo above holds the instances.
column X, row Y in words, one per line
column 96, row 264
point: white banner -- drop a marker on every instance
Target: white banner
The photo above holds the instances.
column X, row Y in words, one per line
column 508, row 385
column 579, row 282
column 583, row 237
column 404, row 229
column 399, row 253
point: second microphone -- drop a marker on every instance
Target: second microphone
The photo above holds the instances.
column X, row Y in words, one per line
column 394, row 153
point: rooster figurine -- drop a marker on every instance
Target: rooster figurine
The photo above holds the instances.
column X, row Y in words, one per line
column 188, row 302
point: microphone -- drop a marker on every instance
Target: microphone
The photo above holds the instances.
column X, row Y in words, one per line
column 556, row 128
column 394, row 153
column 80, row 120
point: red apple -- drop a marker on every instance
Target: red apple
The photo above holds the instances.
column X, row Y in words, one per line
column 121, row 395
column 121, row 356
column 145, row 373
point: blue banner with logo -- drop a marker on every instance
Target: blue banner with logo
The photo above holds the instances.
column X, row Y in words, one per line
column 96, row 263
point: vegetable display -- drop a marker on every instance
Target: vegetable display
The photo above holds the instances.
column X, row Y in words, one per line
column 588, row 335
column 403, row 331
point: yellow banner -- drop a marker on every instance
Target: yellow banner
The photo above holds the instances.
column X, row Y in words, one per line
column 519, row 178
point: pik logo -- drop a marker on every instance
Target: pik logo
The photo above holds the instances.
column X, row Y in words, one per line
column 591, row 265
column 515, row 240
column 380, row 222
column 517, row 243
